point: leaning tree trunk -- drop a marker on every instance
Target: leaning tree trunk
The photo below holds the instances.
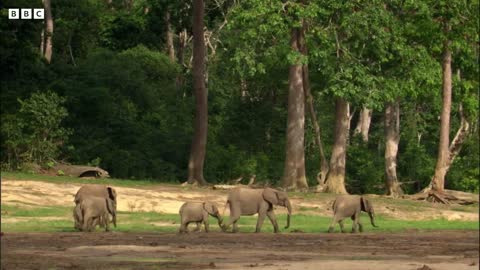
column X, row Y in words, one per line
column 438, row 181
column 392, row 138
column 170, row 47
column 199, row 143
column 294, row 170
column 363, row 124
column 322, row 175
column 336, row 176
column 48, row 47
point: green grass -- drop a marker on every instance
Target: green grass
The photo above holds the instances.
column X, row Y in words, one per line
column 36, row 220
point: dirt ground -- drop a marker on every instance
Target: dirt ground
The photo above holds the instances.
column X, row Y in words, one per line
column 410, row 251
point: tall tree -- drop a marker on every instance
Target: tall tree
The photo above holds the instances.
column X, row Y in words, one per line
column 199, row 142
column 363, row 124
column 336, row 176
column 169, row 36
column 47, row 34
column 438, row 180
column 392, row 138
column 294, row 169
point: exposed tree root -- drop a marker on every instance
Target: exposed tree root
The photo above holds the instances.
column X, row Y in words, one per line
column 446, row 197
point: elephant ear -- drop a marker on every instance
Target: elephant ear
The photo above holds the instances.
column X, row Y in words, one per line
column 210, row 208
column 112, row 194
column 270, row 195
column 366, row 205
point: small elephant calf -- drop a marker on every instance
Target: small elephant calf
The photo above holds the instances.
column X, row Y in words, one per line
column 94, row 211
column 198, row 212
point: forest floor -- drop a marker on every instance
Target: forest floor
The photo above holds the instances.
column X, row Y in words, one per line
column 412, row 247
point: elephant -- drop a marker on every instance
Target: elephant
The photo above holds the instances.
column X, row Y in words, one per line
column 346, row 206
column 94, row 210
column 96, row 191
column 78, row 218
column 198, row 212
column 248, row 202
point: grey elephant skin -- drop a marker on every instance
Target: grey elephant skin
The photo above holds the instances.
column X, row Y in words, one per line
column 350, row 206
column 92, row 209
column 248, row 202
column 198, row 212
column 100, row 191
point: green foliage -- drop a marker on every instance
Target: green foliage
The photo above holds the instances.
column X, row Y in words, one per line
column 363, row 170
column 34, row 134
column 130, row 110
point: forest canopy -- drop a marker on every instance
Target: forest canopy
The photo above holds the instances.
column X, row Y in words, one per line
column 358, row 87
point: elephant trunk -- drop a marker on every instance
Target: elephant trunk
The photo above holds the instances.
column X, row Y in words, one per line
column 372, row 218
column 289, row 208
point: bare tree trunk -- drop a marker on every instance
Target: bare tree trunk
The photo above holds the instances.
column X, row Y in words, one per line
column 170, row 47
column 47, row 53
column 294, row 170
column 336, row 176
column 322, row 175
column 363, row 124
column 182, row 43
column 42, row 42
column 392, row 138
column 438, row 181
column 199, row 143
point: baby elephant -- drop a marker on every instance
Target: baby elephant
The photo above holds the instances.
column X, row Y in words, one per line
column 198, row 212
column 350, row 206
column 95, row 210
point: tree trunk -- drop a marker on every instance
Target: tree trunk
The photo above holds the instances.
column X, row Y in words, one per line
column 170, row 47
column 336, row 176
column 392, row 138
column 182, row 43
column 322, row 175
column 47, row 53
column 294, row 170
column 438, row 180
column 363, row 124
column 199, row 143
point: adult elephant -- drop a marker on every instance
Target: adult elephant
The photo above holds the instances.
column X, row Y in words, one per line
column 100, row 191
column 248, row 202
column 350, row 206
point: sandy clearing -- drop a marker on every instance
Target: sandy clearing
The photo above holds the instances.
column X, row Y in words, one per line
column 164, row 199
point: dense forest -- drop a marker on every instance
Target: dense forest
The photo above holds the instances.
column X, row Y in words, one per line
column 376, row 96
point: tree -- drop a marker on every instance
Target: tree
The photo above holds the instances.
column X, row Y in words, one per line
column 363, row 124
column 392, row 138
column 199, row 142
column 336, row 176
column 294, row 170
column 47, row 34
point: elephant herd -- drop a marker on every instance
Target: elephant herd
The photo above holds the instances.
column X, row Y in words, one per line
column 94, row 204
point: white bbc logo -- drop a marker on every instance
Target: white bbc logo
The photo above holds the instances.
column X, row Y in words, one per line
column 26, row 13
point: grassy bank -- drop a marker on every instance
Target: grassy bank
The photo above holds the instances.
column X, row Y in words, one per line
column 59, row 219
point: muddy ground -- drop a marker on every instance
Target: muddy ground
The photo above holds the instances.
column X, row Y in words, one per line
column 407, row 250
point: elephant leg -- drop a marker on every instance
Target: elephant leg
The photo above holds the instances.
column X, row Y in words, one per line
column 273, row 220
column 107, row 223
column 235, row 226
column 205, row 223
column 355, row 223
column 198, row 228
column 342, row 228
column 331, row 228
column 261, row 218
column 234, row 216
column 183, row 227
